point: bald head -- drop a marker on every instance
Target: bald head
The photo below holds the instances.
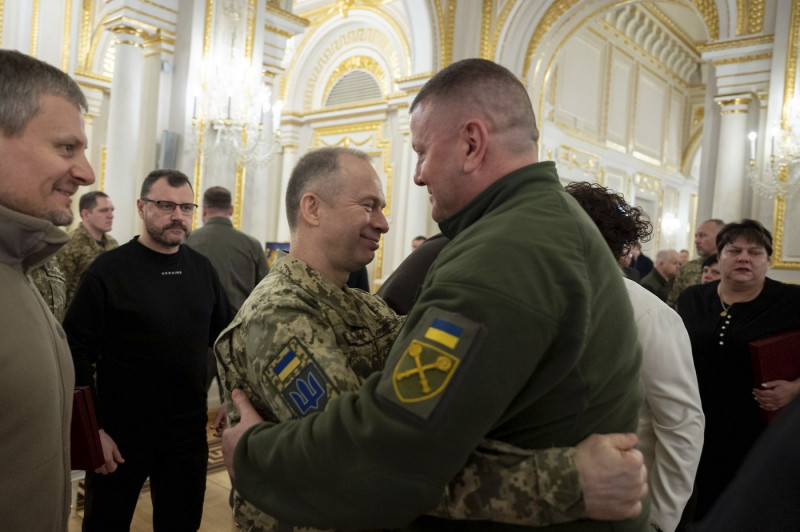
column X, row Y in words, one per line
column 705, row 238
column 667, row 263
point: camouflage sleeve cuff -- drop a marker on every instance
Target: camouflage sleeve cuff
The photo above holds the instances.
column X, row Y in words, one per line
column 503, row 483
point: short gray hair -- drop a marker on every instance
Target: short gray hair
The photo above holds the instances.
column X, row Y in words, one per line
column 318, row 170
column 23, row 81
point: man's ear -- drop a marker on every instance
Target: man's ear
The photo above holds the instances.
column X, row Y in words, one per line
column 476, row 136
column 310, row 205
column 84, row 213
column 140, row 207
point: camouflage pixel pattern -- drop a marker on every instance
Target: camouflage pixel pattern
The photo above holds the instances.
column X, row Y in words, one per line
column 349, row 334
column 346, row 334
column 688, row 275
column 501, row 482
column 49, row 281
column 78, row 254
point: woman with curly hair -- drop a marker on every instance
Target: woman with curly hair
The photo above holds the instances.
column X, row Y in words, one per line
column 670, row 419
column 722, row 318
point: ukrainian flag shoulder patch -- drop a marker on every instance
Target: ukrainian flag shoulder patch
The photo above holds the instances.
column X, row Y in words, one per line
column 434, row 350
column 300, row 381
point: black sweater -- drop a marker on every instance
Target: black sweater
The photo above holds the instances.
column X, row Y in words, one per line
column 146, row 319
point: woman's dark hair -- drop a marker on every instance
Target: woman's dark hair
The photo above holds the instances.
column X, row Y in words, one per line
column 751, row 230
column 621, row 225
column 710, row 260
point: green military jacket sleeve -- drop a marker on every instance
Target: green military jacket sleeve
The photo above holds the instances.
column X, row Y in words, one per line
column 500, row 482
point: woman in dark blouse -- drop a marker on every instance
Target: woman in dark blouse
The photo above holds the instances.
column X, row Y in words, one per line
column 722, row 317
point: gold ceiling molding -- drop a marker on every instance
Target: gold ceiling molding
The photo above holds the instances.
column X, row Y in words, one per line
column 85, row 35
column 708, row 10
column 697, row 115
column 791, row 64
column 742, row 59
column 381, row 41
column 740, row 74
column 486, row 28
column 111, row 17
column 445, row 24
column 276, row 10
column 156, row 4
column 65, row 40
column 34, row 27
column 371, row 6
column 548, row 20
column 251, row 31
column 339, row 8
column 207, row 30
column 501, row 23
column 125, row 29
column 749, row 16
column 734, row 101
column 691, row 148
column 682, row 36
column 647, row 182
column 2, row 15
column 278, row 31
column 415, row 77
column 342, row 43
column 92, row 75
column 736, row 43
column 367, row 109
column 357, row 62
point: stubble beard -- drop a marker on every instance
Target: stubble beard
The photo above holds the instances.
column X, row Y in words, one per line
column 60, row 218
column 158, row 234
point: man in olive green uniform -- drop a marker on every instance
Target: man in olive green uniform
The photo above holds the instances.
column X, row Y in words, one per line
column 689, row 274
column 286, row 349
column 88, row 240
column 659, row 280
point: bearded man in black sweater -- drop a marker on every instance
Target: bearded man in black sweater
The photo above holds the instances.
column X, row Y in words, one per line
column 142, row 319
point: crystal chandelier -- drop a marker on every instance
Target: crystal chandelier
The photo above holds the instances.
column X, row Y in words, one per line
column 780, row 176
column 234, row 112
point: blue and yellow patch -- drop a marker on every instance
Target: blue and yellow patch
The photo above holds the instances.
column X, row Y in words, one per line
column 301, row 383
column 434, row 350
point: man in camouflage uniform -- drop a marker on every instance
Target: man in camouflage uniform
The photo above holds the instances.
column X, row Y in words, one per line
column 705, row 243
column 50, row 282
column 88, row 240
column 303, row 338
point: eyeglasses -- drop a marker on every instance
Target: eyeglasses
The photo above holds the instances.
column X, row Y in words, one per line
column 168, row 207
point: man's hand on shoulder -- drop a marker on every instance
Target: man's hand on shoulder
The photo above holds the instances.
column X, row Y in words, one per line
column 232, row 435
column 613, row 476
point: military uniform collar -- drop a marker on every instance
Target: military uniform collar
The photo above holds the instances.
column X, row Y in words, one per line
column 319, row 287
column 498, row 193
column 219, row 220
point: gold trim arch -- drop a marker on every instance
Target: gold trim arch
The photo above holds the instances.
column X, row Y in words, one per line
column 327, row 46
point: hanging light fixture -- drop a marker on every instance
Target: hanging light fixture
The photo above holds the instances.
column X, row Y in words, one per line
column 235, row 112
column 780, row 173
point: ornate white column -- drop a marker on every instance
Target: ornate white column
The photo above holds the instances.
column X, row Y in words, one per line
column 123, row 174
column 731, row 187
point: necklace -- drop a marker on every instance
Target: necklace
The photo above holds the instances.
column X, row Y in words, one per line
column 724, row 306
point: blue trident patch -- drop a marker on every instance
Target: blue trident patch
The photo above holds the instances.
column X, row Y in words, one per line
column 307, row 392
